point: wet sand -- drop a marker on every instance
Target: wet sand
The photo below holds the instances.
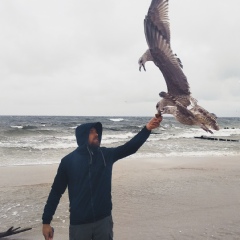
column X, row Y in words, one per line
column 163, row 198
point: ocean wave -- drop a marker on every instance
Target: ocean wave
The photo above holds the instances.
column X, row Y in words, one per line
column 29, row 163
column 74, row 127
column 31, row 140
column 36, row 145
column 184, row 154
column 18, row 127
column 68, row 138
column 114, row 138
column 116, row 119
column 227, row 132
column 118, row 136
column 123, row 128
column 197, row 132
column 22, row 133
column 26, row 127
column 166, row 135
column 138, row 155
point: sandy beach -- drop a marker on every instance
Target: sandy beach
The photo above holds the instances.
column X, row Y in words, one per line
column 158, row 198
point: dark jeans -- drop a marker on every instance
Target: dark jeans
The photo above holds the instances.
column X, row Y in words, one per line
column 100, row 230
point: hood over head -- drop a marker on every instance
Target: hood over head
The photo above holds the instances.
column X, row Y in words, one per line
column 82, row 132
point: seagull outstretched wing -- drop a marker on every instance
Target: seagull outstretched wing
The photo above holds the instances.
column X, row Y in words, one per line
column 165, row 60
column 158, row 15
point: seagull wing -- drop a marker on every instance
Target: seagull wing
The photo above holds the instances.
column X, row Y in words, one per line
column 208, row 119
column 158, row 14
column 166, row 60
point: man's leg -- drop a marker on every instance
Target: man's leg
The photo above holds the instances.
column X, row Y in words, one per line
column 81, row 232
column 103, row 229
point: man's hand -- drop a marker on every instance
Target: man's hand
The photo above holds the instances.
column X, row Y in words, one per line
column 154, row 123
column 47, row 231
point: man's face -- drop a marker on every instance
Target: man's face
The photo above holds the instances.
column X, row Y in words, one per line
column 93, row 138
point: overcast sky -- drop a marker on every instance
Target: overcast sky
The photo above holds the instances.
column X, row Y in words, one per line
column 80, row 57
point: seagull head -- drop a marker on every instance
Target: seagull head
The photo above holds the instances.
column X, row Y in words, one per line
column 169, row 110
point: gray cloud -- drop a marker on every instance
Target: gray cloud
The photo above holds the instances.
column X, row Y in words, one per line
column 80, row 58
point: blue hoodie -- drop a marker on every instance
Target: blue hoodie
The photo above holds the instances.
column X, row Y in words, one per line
column 87, row 172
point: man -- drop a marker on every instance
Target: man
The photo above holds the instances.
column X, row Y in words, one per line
column 87, row 172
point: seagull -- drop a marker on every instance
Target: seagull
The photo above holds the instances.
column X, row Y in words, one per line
column 196, row 115
column 178, row 98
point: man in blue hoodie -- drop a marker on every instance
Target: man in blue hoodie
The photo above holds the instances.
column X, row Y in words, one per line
column 87, row 172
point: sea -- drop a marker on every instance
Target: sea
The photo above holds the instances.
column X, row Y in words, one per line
column 36, row 140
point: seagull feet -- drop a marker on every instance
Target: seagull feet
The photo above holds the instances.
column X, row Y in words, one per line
column 206, row 129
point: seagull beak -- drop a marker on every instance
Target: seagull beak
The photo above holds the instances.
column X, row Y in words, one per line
column 142, row 66
column 158, row 114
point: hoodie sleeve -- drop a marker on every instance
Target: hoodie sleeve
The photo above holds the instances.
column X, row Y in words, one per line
column 58, row 188
column 131, row 146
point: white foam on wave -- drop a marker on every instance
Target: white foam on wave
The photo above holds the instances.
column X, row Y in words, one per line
column 74, row 127
column 183, row 154
column 71, row 138
column 18, row 127
column 166, row 135
column 59, row 145
column 116, row 119
column 227, row 132
column 192, row 132
column 27, row 163
column 201, row 154
column 114, row 138
column 55, row 145
column 111, row 141
column 60, row 142
column 36, row 145
column 118, row 136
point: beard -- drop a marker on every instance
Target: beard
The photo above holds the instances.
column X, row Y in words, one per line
column 95, row 143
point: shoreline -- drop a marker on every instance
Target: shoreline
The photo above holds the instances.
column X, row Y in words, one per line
column 153, row 198
column 44, row 176
column 138, row 155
